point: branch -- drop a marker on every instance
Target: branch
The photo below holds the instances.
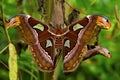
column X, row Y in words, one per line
column 116, row 13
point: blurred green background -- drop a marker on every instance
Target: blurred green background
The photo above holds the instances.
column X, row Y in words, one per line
column 95, row 68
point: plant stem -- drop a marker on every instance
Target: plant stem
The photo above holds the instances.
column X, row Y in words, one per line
column 48, row 76
column 6, row 31
column 4, row 49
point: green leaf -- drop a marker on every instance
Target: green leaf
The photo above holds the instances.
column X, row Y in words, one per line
column 13, row 68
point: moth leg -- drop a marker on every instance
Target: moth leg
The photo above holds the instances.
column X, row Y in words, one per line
column 97, row 50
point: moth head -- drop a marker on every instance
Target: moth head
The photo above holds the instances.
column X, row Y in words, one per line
column 15, row 20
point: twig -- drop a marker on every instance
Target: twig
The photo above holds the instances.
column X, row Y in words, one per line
column 4, row 25
column 117, row 24
column 69, row 5
column 4, row 64
column 116, row 13
column 48, row 76
column 4, row 49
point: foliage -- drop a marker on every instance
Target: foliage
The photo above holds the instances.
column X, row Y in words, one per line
column 96, row 68
column 13, row 69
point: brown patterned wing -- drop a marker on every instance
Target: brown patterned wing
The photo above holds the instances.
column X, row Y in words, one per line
column 73, row 52
column 43, row 49
column 35, row 38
